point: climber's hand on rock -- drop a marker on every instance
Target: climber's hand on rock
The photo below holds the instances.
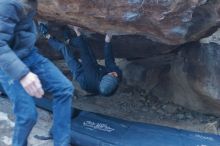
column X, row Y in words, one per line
column 77, row 30
column 108, row 37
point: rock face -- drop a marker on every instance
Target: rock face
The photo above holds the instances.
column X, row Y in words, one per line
column 194, row 79
column 167, row 21
column 123, row 46
column 189, row 77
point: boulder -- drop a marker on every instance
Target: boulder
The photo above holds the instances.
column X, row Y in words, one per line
column 189, row 77
column 194, row 78
column 166, row 21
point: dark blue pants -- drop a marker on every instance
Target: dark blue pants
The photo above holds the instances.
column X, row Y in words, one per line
column 79, row 69
column 1, row 89
column 54, row 82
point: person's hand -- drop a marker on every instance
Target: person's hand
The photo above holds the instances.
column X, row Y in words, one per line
column 77, row 30
column 114, row 74
column 48, row 36
column 32, row 85
column 108, row 38
column 67, row 41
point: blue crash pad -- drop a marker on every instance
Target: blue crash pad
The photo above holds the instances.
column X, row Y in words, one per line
column 89, row 129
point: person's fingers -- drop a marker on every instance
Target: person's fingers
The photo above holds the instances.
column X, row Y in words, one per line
column 36, row 85
column 107, row 38
column 109, row 35
column 77, row 31
column 37, row 94
column 34, row 89
column 29, row 90
column 115, row 74
column 39, row 89
column 75, row 27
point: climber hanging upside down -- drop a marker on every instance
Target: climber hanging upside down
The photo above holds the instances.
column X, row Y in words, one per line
column 91, row 76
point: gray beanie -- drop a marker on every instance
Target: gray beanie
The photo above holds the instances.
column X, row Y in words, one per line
column 108, row 85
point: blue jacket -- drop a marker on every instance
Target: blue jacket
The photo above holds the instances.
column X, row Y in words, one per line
column 92, row 75
column 17, row 38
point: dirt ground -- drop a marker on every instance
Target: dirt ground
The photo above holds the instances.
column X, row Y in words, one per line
column 134, row 105
column 7, row 124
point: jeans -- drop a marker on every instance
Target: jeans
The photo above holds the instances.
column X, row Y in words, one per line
column 54, row 82
column 1, row 89
column 88, row 64
column 88, row 72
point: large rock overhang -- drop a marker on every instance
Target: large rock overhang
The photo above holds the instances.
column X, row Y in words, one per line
column 171, row 22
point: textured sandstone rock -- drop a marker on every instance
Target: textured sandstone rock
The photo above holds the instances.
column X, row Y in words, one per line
column 167, row 21
column 215, row 38
column 189, row 77
column 194, row 79
column 132, row 46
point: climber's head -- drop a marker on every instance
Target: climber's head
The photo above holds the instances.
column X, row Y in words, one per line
column 109, row 84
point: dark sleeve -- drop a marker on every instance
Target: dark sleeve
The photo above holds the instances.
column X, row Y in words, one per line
column 55, row 44
column 110, row 60
column 81, row 43
column 9, row 62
